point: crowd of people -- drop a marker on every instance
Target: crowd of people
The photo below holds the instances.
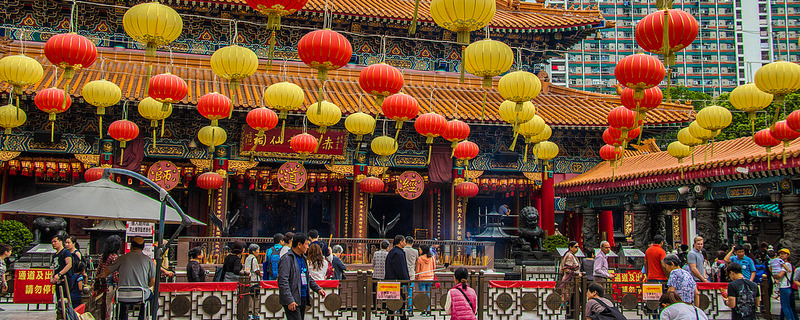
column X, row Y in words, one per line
column 679, row 271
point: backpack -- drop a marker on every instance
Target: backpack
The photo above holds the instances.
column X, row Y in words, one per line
column 219, row 275
column 610, row 313
column 761, row 270
column 78, row 263
column 271, row 262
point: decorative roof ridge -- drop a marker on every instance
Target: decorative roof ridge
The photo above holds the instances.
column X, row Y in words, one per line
column 652, row 167
column 401, row 9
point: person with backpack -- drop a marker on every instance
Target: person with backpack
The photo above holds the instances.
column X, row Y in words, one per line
column 677, row 309
column 462, row 301
column 599, row 308
column 270, row 265
column 743, row 294
column 232, row 266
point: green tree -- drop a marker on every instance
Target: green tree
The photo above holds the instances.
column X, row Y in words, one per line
column 740, row 126
column 555, row 241
column 15, row 234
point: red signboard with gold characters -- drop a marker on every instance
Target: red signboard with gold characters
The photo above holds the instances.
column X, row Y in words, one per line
column 33, row 286
column 292, row 176
column 332, row 143
column 165, row 174
column 410, row 185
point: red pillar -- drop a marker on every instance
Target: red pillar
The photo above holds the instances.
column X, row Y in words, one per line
column 548, row 214
column 537, row 202
column 607, row 226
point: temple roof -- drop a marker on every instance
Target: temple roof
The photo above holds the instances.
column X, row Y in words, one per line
column 729, row 159
column 511, row 14
column 441, row 92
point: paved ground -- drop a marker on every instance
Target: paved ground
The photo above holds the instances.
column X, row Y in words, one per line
column 20, row 312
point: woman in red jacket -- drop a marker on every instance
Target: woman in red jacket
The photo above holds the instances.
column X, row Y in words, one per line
column 462, row 301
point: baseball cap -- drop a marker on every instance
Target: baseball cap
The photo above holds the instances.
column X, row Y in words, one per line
column 784, row 250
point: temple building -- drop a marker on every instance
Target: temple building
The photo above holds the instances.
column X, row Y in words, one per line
column 420, row 178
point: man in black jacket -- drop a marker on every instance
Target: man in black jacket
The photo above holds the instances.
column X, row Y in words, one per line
column 396, row 268
column 294, row 283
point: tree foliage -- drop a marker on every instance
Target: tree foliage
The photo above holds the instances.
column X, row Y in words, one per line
column 15, row 234
column 555, row 241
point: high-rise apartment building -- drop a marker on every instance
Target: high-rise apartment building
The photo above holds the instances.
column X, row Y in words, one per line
column 736, row 37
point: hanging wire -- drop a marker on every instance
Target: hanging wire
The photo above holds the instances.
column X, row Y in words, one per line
column 125, row 109
column 72, row 16
column 235, row 31
column 383, row 48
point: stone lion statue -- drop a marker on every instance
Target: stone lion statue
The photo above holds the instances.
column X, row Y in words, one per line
column 44, row 228
column 529, row 230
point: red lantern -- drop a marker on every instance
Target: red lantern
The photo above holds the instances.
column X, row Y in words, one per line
column 324, row 50
column 764, row 138
column 682, row 30
column 214, row 106
column 304, row 144
column 371, row 185
column 71, row 52
column 93, row 174
column 123, row 131
column 399, row 107
column 430, row 125
column 639, row 72
column 617, row 133
column 651, row 99
column 262, row 119
column 793, row 120
column 380, row 80
column 275, row 9
column 781, row 131
column 167, row 88
column 455, row 131
column 466, row 189
column 466, row 150
column 610, row 153
column 611, row 140
column 52, row 101
column 210, row 181
column 622, row 118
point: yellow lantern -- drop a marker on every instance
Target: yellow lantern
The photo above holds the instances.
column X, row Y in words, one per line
column 778, row 78
column 545, row 151
column 20, row 71
column 519, row 86
column 679, row 151
column 284, row 97
column 700, row 133
column 212, row 136
column 488, row 58
column 508, row 112
column 462, row 16
column 686, row 138
column 329, row 114
column 529, row 130
column 542, row 135
column 152, row 24
column 11, row 117
column 714, row 118
column 359, row 124
column 101, row 94
column 750, row 99
column 384, row 146
column 154, row 111
column 234, row 63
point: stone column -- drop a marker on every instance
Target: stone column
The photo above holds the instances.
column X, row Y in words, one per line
column 708, row 225
column 591, row 238
column 790, row 217
column 641, row 226
column 658, row 224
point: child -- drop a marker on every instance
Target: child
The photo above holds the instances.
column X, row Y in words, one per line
column 775, row 267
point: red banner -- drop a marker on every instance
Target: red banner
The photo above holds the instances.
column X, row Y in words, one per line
column 33, row 286
column 331, row 143
column 198, row 286
column 523, row 284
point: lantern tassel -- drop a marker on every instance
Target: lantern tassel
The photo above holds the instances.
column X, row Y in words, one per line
column 752, row 117
column 514, row 143
column 319, row 100
column 525, row 155
column 321, row 138
column 283, row 129
column 100, row 124
column 154, row 137
column 209, row 197
column 429, row 155
column 483, row 106
column 413, row 28
column 149, row 74
column 783, row 153
column 52, row 129
column 162, row 127
column 769, row 158
column 272, row 42
column 463, row 51
column 396, row 134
